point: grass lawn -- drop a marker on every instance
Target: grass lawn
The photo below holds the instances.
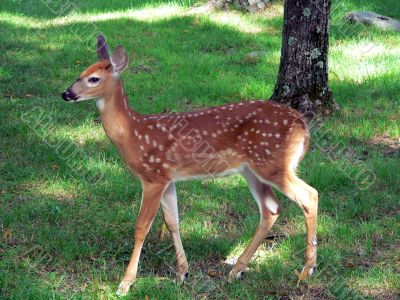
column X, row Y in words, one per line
column 68, row 204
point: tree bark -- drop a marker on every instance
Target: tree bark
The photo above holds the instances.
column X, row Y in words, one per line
column 303, row 73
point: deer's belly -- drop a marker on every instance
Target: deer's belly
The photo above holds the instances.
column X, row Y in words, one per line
column 207, row 171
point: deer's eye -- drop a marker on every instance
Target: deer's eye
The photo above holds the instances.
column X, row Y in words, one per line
column 93, row 79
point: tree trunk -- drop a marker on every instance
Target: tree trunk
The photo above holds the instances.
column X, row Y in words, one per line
column 303, row 73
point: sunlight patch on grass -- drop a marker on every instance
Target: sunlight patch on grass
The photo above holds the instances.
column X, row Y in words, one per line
column 358, row 61
column 266, row 255
column 230, row 19
column 368, row 49
column 228, row 182
column 376, row 283
column 364, row 49
column 82, row 134
column 60, row 190
column 19, row 21
column 234, row 254
column 234, row 20
column 274, row 10
column 355, row 71
column 145, row 14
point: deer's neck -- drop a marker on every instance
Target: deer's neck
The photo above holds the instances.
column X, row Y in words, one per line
column 118, row 119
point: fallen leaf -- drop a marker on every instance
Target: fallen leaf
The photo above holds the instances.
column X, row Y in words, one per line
column 7, row 234
column 214, row 273
column 350, row 265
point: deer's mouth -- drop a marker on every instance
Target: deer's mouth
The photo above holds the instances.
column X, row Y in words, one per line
column 68, row 95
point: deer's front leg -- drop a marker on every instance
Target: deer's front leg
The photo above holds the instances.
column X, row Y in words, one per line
column 169, row 204
column 151, row 198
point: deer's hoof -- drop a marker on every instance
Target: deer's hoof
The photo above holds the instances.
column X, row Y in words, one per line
column 123, row 288
column 181, row 277
column 233, row 275
column 305, row 273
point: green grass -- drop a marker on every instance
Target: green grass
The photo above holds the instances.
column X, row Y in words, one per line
column 67, row 221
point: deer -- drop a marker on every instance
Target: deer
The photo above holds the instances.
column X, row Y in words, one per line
column 264, row 141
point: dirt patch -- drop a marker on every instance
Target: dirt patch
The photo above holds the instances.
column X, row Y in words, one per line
column 390, row 146
column 381, row 293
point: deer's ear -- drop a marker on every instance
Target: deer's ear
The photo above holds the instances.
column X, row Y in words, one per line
column 119, row 59
column 102, row 48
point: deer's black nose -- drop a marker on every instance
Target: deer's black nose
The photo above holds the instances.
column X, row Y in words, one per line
column 69, row 95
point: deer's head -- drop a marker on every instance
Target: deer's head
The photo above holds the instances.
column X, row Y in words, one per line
column 95, row 81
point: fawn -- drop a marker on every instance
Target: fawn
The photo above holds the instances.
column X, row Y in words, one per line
column 262, row 140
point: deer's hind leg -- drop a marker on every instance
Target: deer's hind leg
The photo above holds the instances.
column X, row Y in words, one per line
column 169, row 204
column 307, row 198
column 269, row 211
